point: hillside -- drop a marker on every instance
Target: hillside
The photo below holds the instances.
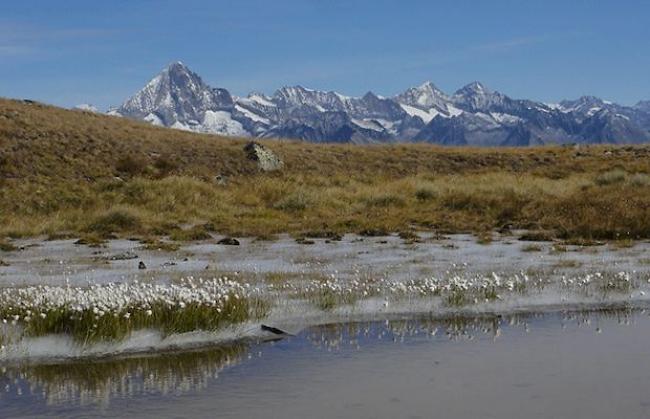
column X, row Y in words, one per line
column 82, row 173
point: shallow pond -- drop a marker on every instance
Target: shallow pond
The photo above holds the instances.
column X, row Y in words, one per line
column 560, row 365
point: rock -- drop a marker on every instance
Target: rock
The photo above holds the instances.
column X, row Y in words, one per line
column 267, row 160
column 221, row 180
column 228, row 241
column 374, row 232
column 123, row 256
column 275, row 330
column 141, row 265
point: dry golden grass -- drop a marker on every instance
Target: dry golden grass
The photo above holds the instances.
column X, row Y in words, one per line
column 58, row 172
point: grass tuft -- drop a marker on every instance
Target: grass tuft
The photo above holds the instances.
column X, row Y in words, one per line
column 5, row 246
column 115, row 220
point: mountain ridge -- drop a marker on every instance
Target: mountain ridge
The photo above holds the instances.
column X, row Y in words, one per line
column 473, row 115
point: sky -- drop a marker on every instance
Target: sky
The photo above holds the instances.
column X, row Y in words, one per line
column 101, row 52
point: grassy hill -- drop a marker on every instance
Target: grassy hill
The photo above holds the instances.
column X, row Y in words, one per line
column 65, row 172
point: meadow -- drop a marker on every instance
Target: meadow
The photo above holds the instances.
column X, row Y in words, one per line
column 70, row 173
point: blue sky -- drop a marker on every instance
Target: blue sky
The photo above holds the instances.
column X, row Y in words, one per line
column 100, row 52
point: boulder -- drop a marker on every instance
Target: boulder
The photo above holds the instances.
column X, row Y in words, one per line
column 267, row 161
column 221, row 180
column 228, row 241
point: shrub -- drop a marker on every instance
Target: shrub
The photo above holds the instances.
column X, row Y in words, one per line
column 191, row 234
column 115, row 220
column 425, row 193
column 131, row 165
column 484, row 237
column 640, row 179
column 537, row 236
column 532, row 248
column 294, row 202
column 385, row 201
column 6, row 246
column 165, row 165
column 611, row 177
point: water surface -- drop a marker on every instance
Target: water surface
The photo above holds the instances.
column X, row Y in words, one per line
column 561, row 365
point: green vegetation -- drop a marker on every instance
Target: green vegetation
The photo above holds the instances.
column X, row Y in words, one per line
column 5, row 246
column 68, row 173
column 532, row 248
column 461, row 297
column 89, row 326
column 326, row 299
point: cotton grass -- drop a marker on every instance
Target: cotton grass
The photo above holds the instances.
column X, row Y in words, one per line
column 113, row 311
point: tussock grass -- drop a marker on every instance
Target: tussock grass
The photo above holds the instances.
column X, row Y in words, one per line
column 112, row 312
column 327, row 300
column 5, row 246
column 86, row 326
column 81, row 173
column 611, row 177
column 115, row 220
column 532, row 248
column 461, row 298
column 159, row 245
column 195, row 233
column 91, row 240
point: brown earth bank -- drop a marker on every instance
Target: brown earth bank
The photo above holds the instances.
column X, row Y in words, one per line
column 74, row 173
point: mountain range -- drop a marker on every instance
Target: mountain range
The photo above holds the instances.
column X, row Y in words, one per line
column 474, row 115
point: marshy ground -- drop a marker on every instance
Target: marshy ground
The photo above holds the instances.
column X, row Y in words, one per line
column 114, row 273
column 106, row 303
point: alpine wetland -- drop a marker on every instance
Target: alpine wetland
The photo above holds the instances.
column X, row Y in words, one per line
column 300, row 252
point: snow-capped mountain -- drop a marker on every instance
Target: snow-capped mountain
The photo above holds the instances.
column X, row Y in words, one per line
column 178, row 98
column 643, row 105
column 86, row 107
column 426, row 102
column 473, row 115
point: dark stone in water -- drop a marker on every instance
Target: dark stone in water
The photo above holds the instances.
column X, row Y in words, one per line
column 123, row 256
column 141, row 265
column 275, row 330
column 374, row 232
column 228, row 241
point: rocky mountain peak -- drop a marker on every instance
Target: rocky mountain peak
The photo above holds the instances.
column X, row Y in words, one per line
column 474, row 88
column 424, row 96
column 643, row 105
column 475, row 115
column 176, row 94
